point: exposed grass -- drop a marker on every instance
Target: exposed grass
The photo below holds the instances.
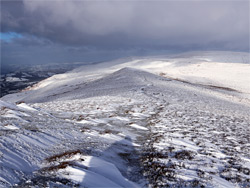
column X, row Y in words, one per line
column 184, row 154
column 67, row 154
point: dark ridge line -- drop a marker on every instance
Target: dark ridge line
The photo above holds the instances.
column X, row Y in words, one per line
column 203, row 85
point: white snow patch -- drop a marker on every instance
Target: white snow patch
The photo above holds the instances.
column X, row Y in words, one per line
column 138, row 126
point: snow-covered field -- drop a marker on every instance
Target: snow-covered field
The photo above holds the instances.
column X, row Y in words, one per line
column 178, row 121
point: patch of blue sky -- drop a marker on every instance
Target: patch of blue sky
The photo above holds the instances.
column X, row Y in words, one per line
column 9, row 36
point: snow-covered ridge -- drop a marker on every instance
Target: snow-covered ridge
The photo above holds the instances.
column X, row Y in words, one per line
column 220, row 69
column 153, row 122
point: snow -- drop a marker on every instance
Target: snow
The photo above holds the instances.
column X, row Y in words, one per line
column 4, row 104
column 96, row 173
column 212, row 74
column 221, row 72
column 15, row 79
column 222, row 183
column 138, row 126
column 26, row 107
column 88, row 179
column 10, row 127
column 180, row 120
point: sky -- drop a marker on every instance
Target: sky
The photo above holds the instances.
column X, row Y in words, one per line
column 59, row 31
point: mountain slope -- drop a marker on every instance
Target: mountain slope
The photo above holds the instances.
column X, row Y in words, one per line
column 212, row 69
column 148, row 129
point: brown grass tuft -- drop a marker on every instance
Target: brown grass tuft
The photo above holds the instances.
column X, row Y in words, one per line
column 66, row 154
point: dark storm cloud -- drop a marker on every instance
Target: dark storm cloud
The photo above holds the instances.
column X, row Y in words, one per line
column 52, row 26
column 33, row 50
column 132, row 23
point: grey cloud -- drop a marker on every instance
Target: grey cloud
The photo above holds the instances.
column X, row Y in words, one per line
column 33, row 50
column 132, row 23
column 74, row 29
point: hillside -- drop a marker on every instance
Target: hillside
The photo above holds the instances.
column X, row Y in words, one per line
column 179, row 120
